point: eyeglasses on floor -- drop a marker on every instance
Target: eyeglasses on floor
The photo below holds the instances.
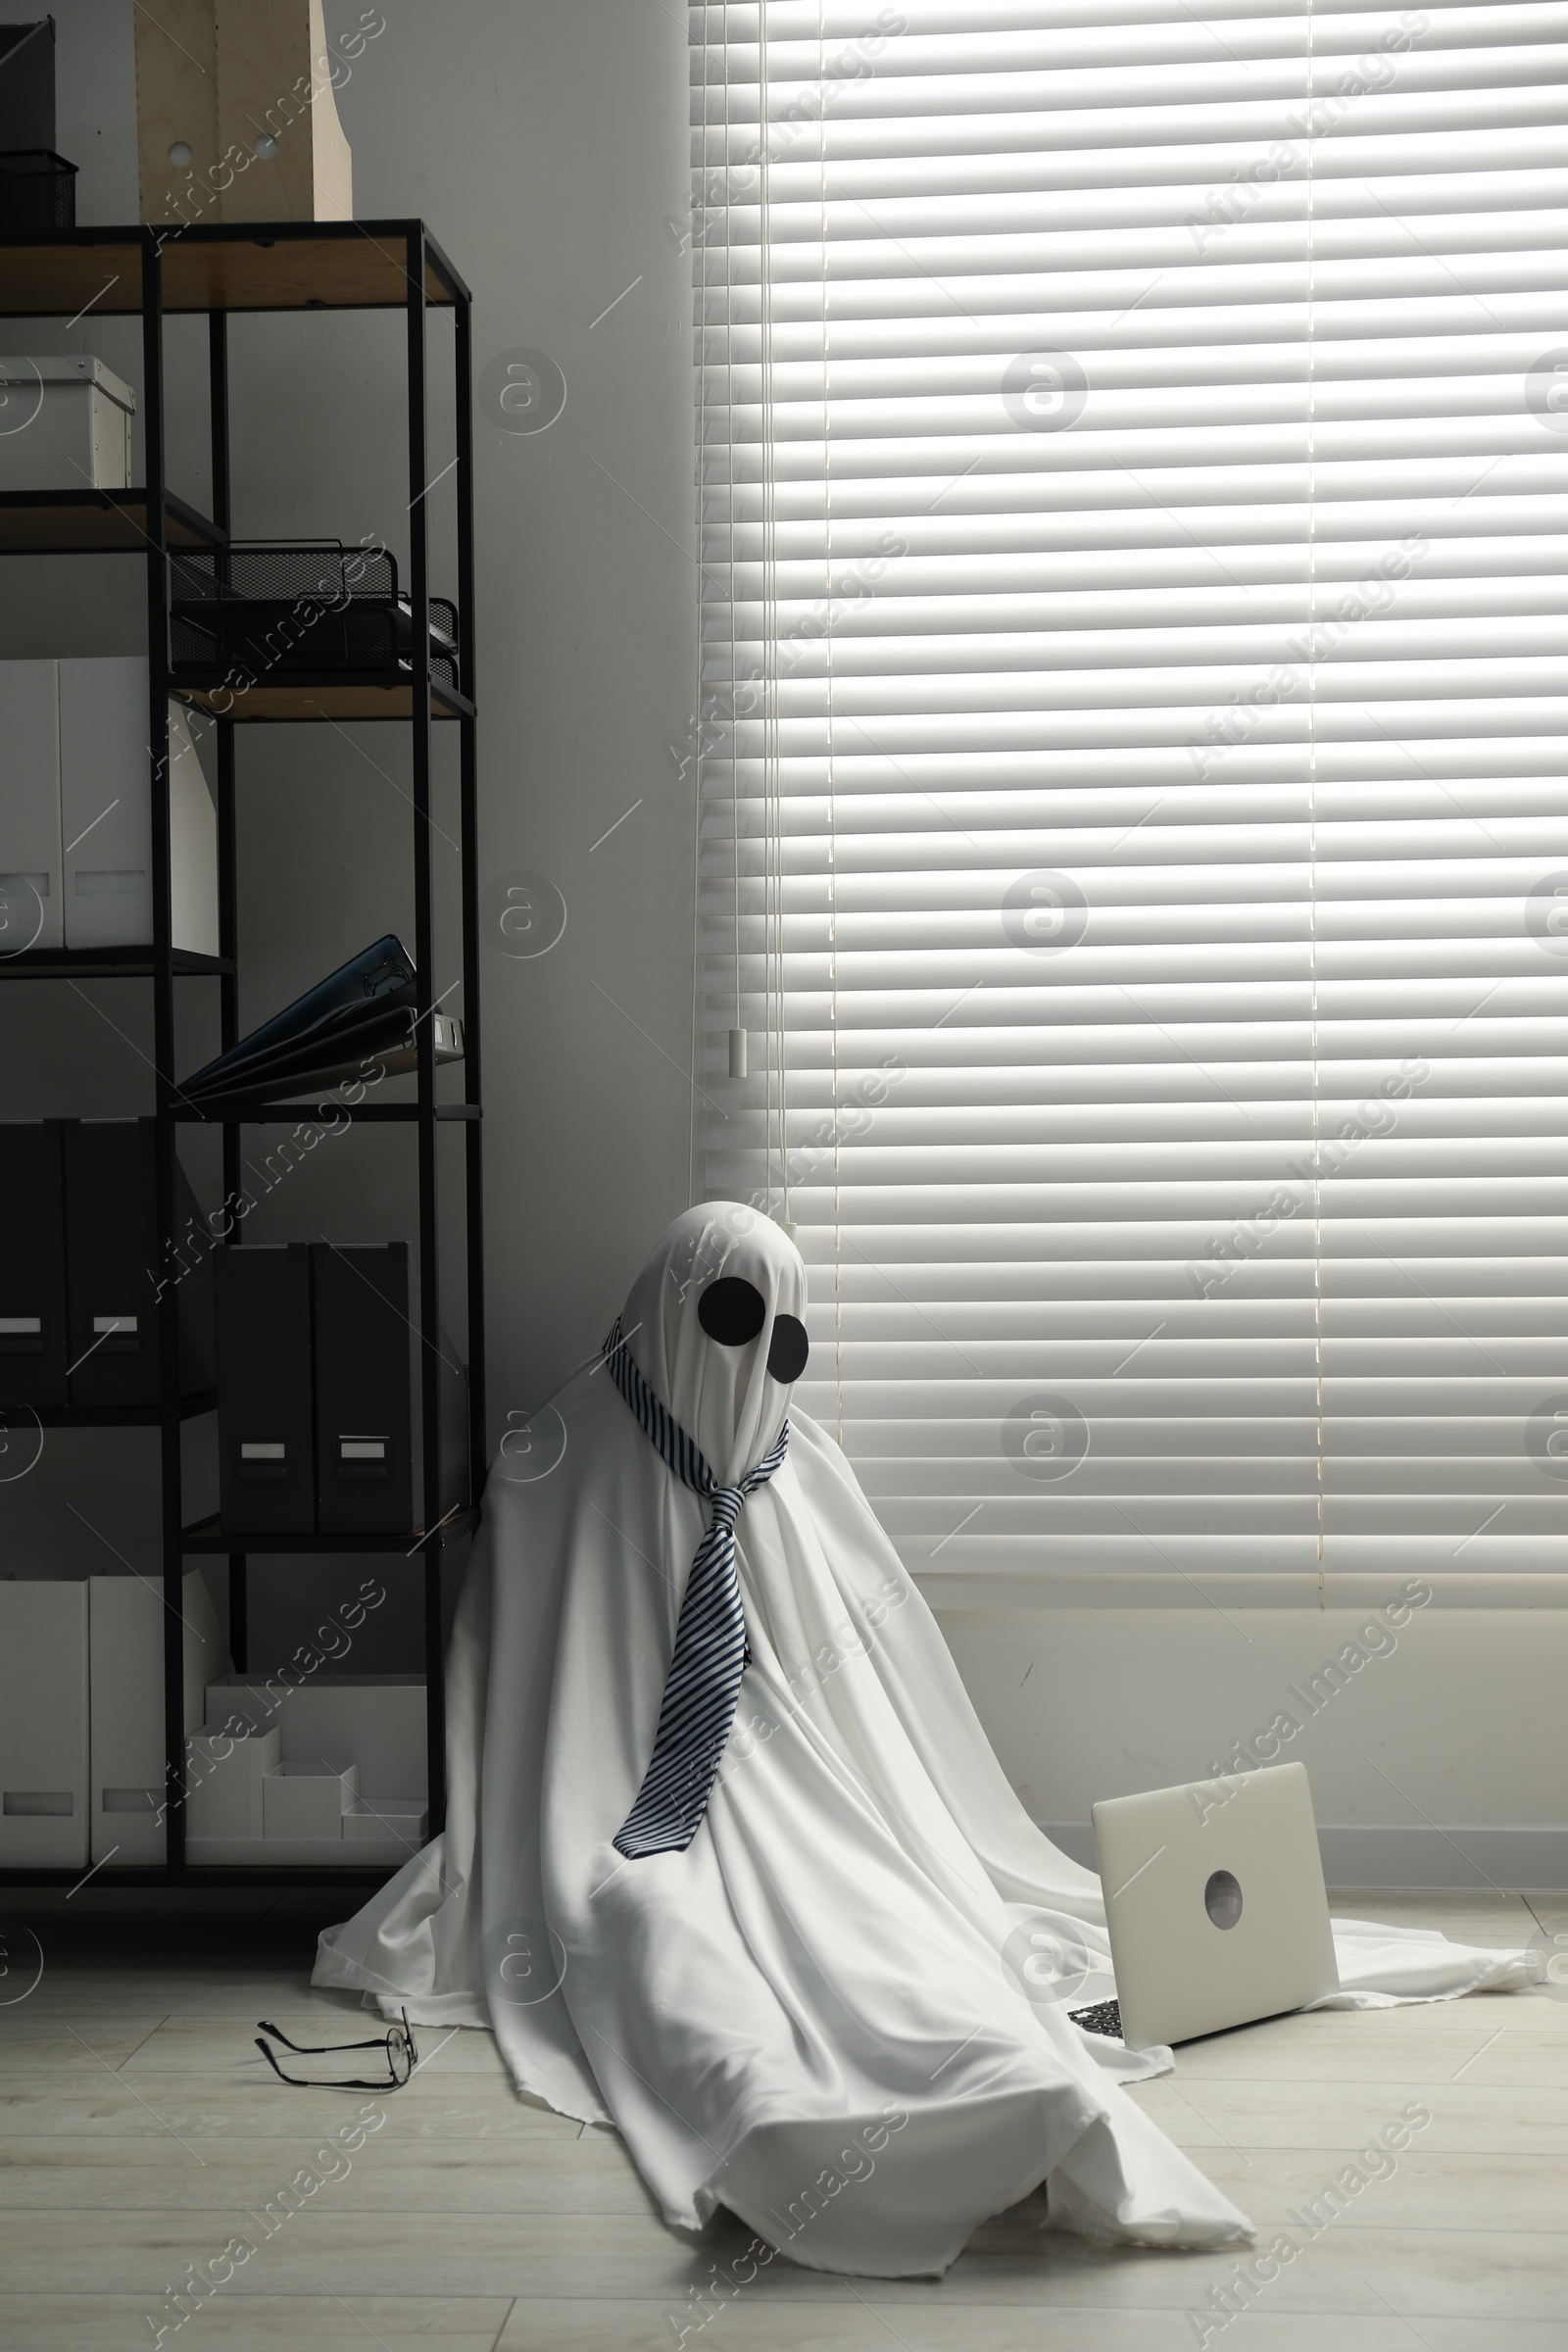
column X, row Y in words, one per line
column 396, row 2046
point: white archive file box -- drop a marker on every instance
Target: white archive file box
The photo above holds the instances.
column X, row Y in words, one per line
column 106, row 813
column 192, row 842
column 125, row 1617
column 67, row 425
column 223, row 1776
column 43, row 1723
column 31, row 897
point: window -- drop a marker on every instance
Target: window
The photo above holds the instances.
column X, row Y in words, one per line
column 1134, row 836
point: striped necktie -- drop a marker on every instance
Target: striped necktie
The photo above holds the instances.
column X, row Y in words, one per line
column 703, row 1682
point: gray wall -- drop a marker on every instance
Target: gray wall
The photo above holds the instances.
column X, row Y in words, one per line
column 1437, row 1747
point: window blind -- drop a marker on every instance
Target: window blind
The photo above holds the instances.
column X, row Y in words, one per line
column 1133, row 830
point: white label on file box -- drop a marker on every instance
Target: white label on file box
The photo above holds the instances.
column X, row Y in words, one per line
column 20, row 1327
column 113, row 1322
column 23, row 917
column 362, row 1449
column 261, row 1453
column 103, row 883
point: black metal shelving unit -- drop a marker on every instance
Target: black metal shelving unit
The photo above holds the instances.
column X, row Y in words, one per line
column 221, row 270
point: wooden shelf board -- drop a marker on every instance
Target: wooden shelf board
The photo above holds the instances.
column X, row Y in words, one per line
column 263, row 1113
column 206, row 1536
column 121, row 1416
column 350, row 695
column 256, row 266
column 107, row 963
column 91, row 522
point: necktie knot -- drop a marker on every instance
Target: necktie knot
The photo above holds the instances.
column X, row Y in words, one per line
column 727, row 1502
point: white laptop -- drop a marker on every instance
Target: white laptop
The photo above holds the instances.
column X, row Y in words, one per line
column 1215, row 1903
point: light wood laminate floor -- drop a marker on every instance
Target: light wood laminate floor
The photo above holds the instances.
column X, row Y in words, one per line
column 140, row 2132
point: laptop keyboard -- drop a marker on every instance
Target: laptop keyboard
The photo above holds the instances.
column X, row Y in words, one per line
column 1105, row 2018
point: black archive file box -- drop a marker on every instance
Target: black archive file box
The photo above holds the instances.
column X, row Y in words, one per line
column 364, row 1418
column 27, row 84
column 118, row 1262
column 33, row 1264
column 266, row 1405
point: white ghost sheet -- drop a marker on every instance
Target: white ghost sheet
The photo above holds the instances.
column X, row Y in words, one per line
column 841, row 2011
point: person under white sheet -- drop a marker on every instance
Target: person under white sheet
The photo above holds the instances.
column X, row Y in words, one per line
column 840, row 2009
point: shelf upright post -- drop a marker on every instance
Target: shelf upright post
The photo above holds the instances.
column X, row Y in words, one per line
column 168, row 1303
column 217, row 413
column 424, row 958
column 228, row 892
column 469, row 752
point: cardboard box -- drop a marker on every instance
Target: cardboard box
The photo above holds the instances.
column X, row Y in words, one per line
column 67, row 425
column 242, row 94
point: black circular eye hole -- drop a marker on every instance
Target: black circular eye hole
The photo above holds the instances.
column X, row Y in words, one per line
column 1222, row 1898
column 788, row 1348
column 731, row 1311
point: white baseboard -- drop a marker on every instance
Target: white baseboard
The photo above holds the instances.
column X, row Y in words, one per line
column 1374, row 1855
column 1209, row 1587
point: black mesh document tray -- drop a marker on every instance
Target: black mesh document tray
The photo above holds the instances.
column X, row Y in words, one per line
column 38, row 191
column 270, row 607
